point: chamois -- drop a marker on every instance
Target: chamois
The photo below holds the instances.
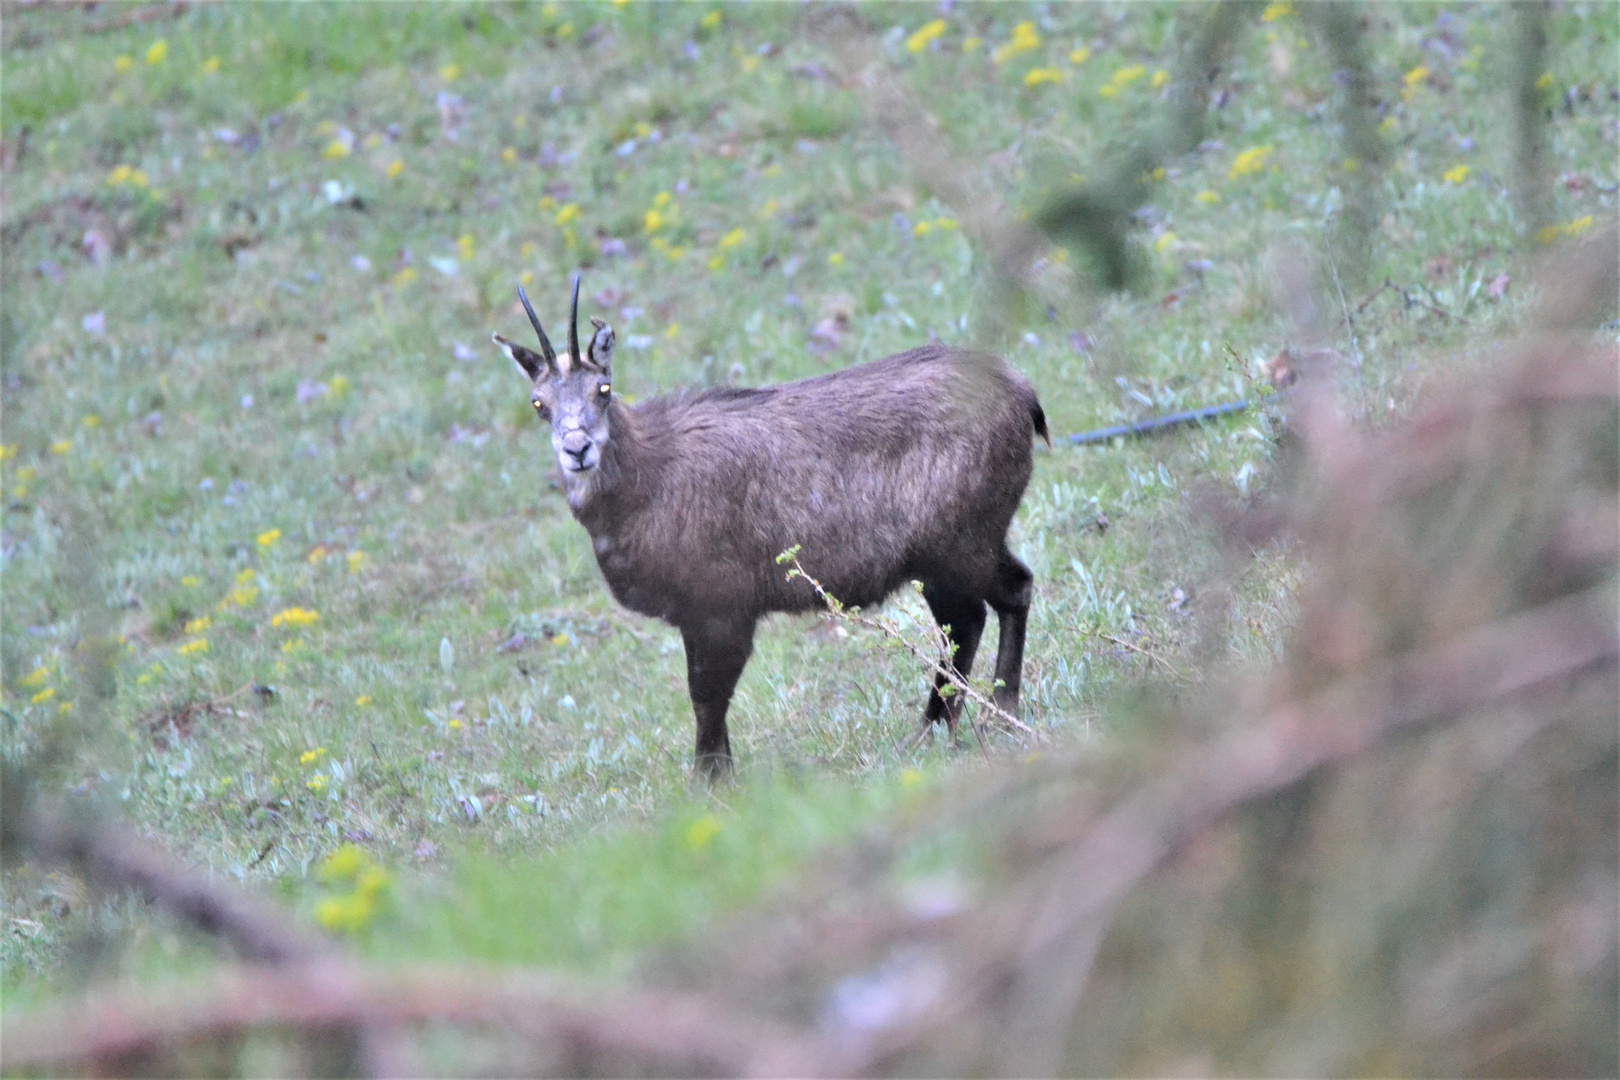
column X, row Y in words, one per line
column 908, row 468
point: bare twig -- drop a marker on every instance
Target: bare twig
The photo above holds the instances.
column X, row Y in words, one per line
column 635, row 1033
column 111, row 858
column 942, row 669
column 1149, row 653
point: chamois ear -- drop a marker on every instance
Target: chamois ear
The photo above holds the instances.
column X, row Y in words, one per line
column 528, row 361
column 600, row 350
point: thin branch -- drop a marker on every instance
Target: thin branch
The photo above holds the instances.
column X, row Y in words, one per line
column 943, row 670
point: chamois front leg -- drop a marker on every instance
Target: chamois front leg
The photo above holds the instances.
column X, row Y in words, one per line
column 716, row 652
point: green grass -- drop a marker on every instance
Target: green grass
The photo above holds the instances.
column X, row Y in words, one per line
column 413, row 491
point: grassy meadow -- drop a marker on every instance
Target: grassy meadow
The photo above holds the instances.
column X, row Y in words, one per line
column 253, row 423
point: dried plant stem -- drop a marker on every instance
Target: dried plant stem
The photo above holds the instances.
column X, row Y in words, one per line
column 1149, row 653
column 941, row 668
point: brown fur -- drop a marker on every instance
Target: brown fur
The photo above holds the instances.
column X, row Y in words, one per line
column 906, row 468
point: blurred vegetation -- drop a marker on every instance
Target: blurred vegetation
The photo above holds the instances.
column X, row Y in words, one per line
column 286, row 576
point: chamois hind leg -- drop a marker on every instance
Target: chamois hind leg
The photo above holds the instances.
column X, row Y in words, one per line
column 1011, row 597
column 962, row 618
column 716, row 652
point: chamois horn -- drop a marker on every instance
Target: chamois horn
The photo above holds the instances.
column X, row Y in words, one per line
column 573, row 324
column 546, row 350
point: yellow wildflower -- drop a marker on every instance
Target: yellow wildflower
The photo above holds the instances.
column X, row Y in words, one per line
column 191, row 581
column 92, row 421
column 910, row 778
column 568, row 213
column 653, row 220
column 123, row 64
column 1080, row 55
column 316, row 783
column 246, row 576
column 1127, row 75
column 710, row 21
column 1574, row 228
column 395, row 168
column 1024, row 38
column 211, row 65
column 455, row 725
column 673, row 331
column 509, row 155
column 702, row 831
column 8, row 452
column 1413, row 79
column 1160, row 77
column 191, row 648
column 465, row 245
column 241, row 596
column 1207, row 197
column 198, row 625
column 346, row 913
column 1545, row 81
column 1456, row 175
column 1164, row 242
column 269, row 537
column 339, row 385
column 450, row 72
column 1249, row 161
column 836, row 259
column 61, row 446
column 294, row 616
column 44, row 695
column 928, row 33
column 405, row 276
column 1276, row 11
column 356, row 560
column 337, row 148
column 158, row 52
column 35, row 678
column 732, row 239
column 1041, row 76
column 310, row 757
column 971, row 43
column 363, row 700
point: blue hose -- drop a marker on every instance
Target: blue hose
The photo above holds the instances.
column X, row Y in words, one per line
column 1154, row 423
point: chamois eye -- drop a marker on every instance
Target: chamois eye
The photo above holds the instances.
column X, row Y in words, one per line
column 540, row 408
column 605, row 389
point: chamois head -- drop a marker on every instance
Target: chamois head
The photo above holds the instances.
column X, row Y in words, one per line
column 571, row 391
